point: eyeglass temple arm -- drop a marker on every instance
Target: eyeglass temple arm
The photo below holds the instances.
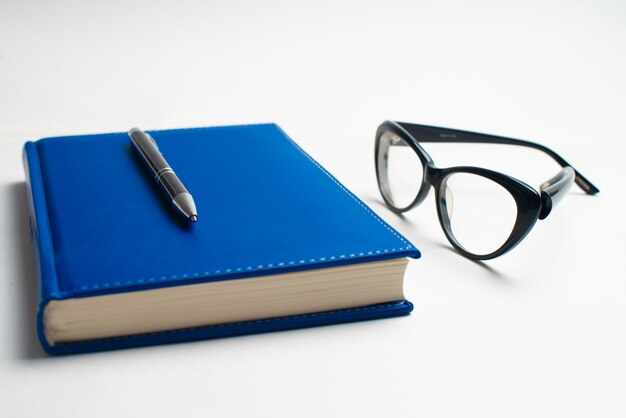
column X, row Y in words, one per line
column 434, row 134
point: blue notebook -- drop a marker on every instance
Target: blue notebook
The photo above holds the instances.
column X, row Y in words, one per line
column 269, row 215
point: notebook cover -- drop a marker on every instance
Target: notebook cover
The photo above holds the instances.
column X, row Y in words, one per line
column 101, row 225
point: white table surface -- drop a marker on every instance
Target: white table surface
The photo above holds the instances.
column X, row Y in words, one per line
column 539, row 332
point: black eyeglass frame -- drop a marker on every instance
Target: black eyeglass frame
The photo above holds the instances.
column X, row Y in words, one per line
column 531, row 204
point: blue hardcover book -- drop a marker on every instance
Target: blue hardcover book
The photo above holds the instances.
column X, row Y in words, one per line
column 279, row 243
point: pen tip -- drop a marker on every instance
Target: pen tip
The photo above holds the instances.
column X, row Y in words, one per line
column 193, row 218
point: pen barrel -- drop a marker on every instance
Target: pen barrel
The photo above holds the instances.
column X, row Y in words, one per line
column 149, row 152
column 170, row 183
column 154, row 160
column 147, row 148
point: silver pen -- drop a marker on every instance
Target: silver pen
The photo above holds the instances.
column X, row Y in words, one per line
column 163, row 173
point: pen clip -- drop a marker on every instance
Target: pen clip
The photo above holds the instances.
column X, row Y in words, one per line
column 152, row 139
column 133, row 130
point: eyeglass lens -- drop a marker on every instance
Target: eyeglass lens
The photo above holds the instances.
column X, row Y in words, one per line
column 400, row 170
column 480, row 213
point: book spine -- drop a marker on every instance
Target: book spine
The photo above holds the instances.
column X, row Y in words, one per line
column 41, row 236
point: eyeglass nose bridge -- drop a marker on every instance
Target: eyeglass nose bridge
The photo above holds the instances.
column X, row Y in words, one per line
column 432, row 174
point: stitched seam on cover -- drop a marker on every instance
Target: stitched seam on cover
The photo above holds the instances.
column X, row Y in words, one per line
column 162, row 130
column 193, row 128
column 231, row 324
column 342, row 187
column 163, row 279
column 46, row 214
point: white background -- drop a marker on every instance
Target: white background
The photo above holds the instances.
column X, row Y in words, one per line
column 538, row 332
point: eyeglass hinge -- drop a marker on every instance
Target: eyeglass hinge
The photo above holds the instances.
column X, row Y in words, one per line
column 546, row 205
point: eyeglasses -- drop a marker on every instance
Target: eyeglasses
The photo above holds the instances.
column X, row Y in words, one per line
column 483, row 213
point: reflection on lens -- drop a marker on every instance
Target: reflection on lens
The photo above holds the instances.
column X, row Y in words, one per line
column 400, row 170
column 481, row 213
